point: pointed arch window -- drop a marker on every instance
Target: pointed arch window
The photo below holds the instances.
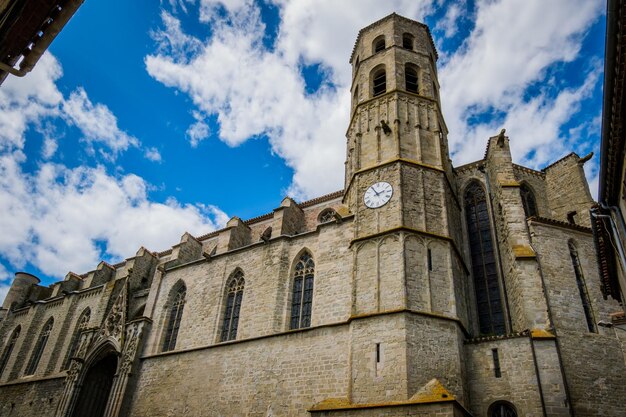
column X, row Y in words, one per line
column 410, row 76
column 379, row 82
column 81, row 324
column 233, row 307
column 327, row 215
column 484, row 270
column 502, row 409
column 379, row 44
column 528, row 201
column 39, row 348
column 302, row 296
column 9, row 348
column 174, row 318
column 582, row 287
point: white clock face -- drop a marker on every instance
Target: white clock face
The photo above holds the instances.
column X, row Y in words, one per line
column 378, row 194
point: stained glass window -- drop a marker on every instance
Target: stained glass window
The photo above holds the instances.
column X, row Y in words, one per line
column 233, row 307
column 484, row 268
column 174, row 318
column 302, row 296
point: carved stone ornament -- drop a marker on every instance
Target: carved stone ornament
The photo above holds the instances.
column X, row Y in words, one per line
column 133, row 334
column 113, row 326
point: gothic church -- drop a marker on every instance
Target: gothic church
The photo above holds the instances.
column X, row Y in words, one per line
column 420, row 289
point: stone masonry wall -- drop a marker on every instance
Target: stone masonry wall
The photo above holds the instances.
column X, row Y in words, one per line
column 595, row 382
column 280, row 376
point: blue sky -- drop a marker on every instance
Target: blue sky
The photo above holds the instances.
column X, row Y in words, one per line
column 147, row 119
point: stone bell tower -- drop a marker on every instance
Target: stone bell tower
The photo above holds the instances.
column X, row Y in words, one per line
column 408, row 270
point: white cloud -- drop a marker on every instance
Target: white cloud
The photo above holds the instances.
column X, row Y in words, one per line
column 198, row 131
column 22, row 103
column 5, row 283
column 97, row 123
column 255, row 91
column 56, row 217
column 511, row 46
column 450, row 20
column 153, row 155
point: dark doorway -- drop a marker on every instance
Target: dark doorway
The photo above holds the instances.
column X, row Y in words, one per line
column 93, row 396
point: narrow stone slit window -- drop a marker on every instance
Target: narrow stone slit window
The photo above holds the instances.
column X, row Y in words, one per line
column 377, row 352
column 496, row 363
column 411, row 79
column 380, row 83
column 571, row 217
column 429, row 255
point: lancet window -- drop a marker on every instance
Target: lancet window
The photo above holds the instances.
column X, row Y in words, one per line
column 528, row 201
column 9, row 349
column 302, row 296
column 174, row 318
column 81, row 324
column 484, row 268
column 233, row 307
column 39, row 348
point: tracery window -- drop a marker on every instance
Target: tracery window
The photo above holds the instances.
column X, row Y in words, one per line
column 582, row 287
column 502, row 409
column 9, row 348
column 174, row 317
column 528, row 201
column 407, row 41
column 233, row 307
column 81, row 324
column 327, row 215
column 484, row 269
column 39, row 348
column 410, row 76
column 302, row 296
column 379, row 44
column 379, row 82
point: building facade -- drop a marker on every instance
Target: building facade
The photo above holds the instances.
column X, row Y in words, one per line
column 420, row 289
